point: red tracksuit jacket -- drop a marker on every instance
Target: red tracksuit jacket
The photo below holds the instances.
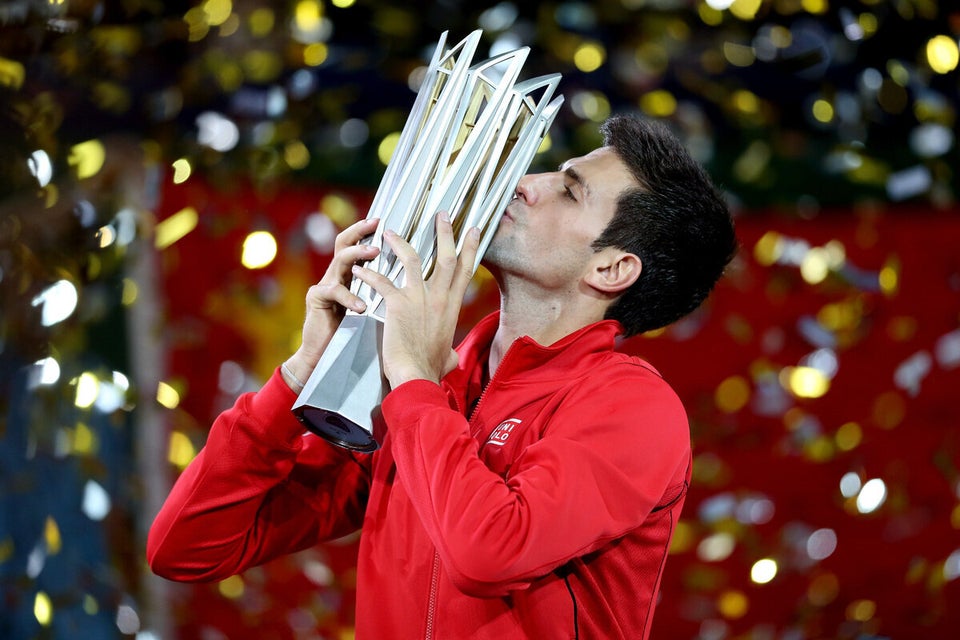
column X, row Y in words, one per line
column 547, row 513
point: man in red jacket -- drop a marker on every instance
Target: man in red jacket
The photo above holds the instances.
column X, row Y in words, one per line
column 531, row 479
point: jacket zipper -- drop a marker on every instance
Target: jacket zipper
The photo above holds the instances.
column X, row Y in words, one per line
column 435, row 574
column 483, row 393
column 432, row 602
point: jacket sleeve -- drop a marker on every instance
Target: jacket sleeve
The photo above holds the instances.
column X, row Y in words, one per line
column 609, row 456
column 258, row 489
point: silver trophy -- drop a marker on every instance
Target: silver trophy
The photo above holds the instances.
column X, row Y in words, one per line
column 471, row 135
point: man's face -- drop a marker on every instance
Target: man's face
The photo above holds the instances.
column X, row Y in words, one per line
column 546, row 233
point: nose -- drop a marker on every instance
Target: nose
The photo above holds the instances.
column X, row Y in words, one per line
column 526, row 188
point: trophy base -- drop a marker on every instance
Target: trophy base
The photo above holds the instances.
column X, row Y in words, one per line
column 336, row 429
column 340, row 401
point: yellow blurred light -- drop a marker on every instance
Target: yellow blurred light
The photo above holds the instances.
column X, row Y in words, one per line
column 751, row 164
column 231, row 588
column 12, row 73
column 815, row 7
column 296, row 155
column 6, row 550
column 869, row 23
column 181, row 170
column 659, row 103
column 589, row 56
column 739, row 55
column 683, row 538
column 732, row 604
column 259, row 250
column 175, row 227
column 181, row 452
column 339, row 209
column 90, row 606
column 51, row 536
column 849, row 436
column 746, row 101
column 387, row 146
column 819, row 449
column 167, row 395
column 43, row 609
column 861, row 610
column 804, row 382
column 888, row 409
column 129, row 293
column 343, row 4
column 888, row 279
column 768, row 249
column 315, row 54
column 942, row 54
column 88, row 158
column 710, row 16
column 763, row 571
column 823, row 589
column 814, row 268
column 780, row 36
column 230, row 26
column 216, row 12
column 307, row 15
column 50, row 195
column 545, row 144
column 261, row 66
column 261, row 22
column 732, row 394
column 836, row 254
column 822, row 111
column 106, row 236
column 745, row 9
column 87, row 389
column 228, row 73
column 84, row 439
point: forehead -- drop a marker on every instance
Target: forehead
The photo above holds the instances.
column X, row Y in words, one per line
column 603, row 172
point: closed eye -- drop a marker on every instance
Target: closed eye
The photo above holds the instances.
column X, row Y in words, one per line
column 568, row 193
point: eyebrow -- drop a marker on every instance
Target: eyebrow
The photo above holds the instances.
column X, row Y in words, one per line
column 574, row 175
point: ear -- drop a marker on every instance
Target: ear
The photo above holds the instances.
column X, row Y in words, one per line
column 613, row 270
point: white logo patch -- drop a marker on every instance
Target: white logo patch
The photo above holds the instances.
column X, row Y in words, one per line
column 499, row 435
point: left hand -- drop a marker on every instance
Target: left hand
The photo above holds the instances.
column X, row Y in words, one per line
column 421, row 316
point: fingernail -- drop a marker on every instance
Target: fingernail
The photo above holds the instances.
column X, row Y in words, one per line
column 355, row 268
column 360, row 305
column 474, row 232
column 445, row 216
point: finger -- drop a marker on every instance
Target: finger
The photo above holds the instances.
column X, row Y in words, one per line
column 355, row 233
column 412, row 264
column 347, row 252
column 380, row 283
column 466, row 263
column 325, row 295
column 446, row 256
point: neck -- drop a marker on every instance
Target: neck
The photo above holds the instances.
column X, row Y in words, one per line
column 544, row 316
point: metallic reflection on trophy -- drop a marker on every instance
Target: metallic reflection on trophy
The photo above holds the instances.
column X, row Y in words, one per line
column 471, row 135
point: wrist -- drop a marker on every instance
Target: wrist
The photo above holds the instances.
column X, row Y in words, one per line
column 295, row 373
column 400, row 377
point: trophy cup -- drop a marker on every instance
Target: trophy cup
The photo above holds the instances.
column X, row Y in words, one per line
column 471, row 135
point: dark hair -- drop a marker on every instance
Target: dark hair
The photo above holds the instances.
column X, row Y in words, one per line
column 676, row 222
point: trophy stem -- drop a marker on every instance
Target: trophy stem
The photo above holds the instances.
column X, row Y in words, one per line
column 341, row 399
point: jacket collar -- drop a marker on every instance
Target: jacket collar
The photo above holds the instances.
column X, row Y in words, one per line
column 530, row 360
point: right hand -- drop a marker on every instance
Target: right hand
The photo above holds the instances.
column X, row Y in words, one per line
column 328, row 300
